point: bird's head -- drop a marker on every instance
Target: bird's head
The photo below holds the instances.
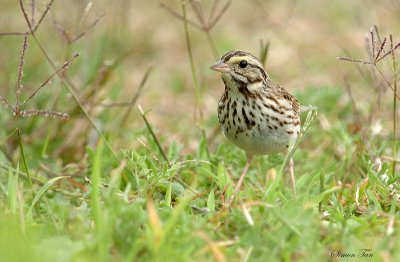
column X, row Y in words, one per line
column 241, row 67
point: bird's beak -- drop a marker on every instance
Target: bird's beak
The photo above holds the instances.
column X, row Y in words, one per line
column 220, row 66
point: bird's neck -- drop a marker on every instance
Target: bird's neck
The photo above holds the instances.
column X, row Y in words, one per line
column 237, row 87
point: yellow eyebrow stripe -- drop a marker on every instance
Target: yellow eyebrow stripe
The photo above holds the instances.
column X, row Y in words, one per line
column 236, row 59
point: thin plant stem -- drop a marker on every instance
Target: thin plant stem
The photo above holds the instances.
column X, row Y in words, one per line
column 219, row 15
column 66, row 82
column 189, row 49
column 194, row 77
column 8, row 136
column 153, row 135
column 213, row 9
column 264, row 48
column 204, row 24
column 137, row 94
column 158, row 144
column 19, row 87
column 204, row 137
column 175, row 14
column 30, row 22
column 321, row 189
column 374, row 66
column 387, row 82
column 33, row 12
column 88, row 28
column 394, row 107
column 43, row 15
column 21, row 147
column 22, row 174
column 97, row 214
column 388, row 52
column 64, row 66
column 310, row 117
column 212, row 45
column 4, row 150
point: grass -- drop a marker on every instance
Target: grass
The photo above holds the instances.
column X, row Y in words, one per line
column 115, row 183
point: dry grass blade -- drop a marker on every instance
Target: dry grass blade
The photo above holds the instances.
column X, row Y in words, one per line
column 45, row 113
column 376, row 30
column 373, row 44
column 205, row 25
column 356, row 112
column 376, row 57
column 21, row 5
column 360, row 70
column 215, row 250
column 380, row 49
column 394, row 107
column 354, row 60
column 175, row 14
column 78, row 36
column 12, row 33
column 85, row 13
column 64, row 66
column 264, row 48
column 30, row 22
column 62, row 31
column 153, row 135
column 387, row 82
column 135, row 97
column 33, row 12
column 69, row 86
column 150, row 152
column 213, row 9
column 198, row 10
column 48, row 6
column 137, row 94
column 84, row 32
column 389, row 52
column 116, row 104
column 190, row 54
column 392, row 51
column 367, row 43
column 219, row 15
column 19, row 88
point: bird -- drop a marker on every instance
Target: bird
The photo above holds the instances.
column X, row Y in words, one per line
column 255, row 114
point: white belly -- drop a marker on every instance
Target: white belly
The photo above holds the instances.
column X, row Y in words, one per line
column 263, row 140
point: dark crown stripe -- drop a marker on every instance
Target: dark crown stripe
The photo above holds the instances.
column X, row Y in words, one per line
column 231, row 54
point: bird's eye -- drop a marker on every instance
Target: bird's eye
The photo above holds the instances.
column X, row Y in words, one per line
column 243, row 64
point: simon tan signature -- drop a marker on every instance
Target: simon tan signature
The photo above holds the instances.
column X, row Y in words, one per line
column 362, row 253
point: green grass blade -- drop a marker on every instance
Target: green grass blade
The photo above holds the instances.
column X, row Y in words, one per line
column 21, row 147
column 40, row 193
column 307, row 123
column 95, row 197
column 211, row 201
column 12, row 191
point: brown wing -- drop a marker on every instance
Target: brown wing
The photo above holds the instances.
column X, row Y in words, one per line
column 290, row 99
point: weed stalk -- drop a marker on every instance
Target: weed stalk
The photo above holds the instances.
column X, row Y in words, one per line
column 394, row 107
column 194, row 76
column 21, row 147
